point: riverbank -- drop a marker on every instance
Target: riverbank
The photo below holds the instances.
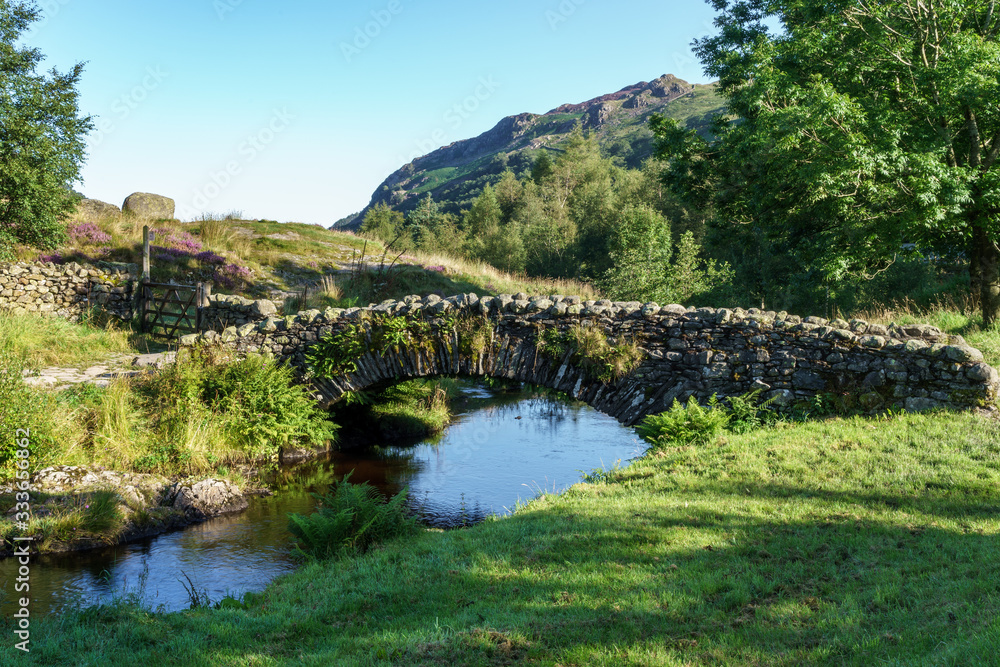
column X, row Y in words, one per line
column 846, row 541
column 74, row 508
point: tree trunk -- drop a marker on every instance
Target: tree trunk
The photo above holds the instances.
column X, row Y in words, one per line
column 975, row 274
column 989, row 272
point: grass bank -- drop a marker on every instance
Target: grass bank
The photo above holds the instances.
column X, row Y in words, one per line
column 847, row 541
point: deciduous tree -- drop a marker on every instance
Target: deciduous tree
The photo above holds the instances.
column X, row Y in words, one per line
column 41, row 138
column 855, row 127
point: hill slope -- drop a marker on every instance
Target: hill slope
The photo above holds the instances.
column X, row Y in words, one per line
column 455, row 173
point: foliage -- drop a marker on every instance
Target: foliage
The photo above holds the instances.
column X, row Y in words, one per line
column 351, row 518
column 855, row 129
column 640, row 255
column 41, row 141
column 336, row 353
column 255, row 399
column 24, row 418
column 689, row 424
column 413, row 409
column 748, row 414
column 601, row 359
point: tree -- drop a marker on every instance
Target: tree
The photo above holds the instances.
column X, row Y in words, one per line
column 860, row 126
column 383, row 222
column 41, row 138
column 640, row 255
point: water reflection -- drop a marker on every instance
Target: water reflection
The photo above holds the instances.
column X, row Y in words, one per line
column 503, row 450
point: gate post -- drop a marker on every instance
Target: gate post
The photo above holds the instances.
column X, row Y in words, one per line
column 199, row 299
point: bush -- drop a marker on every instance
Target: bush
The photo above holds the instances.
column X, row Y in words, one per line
column 24, row 415
column 685, row 424
column 252, row 401
column 747, row 414
column 351, row 518
column 600, row 359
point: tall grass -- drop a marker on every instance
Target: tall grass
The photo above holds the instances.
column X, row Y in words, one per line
column 218, row 234
column 953, row 316
column 54, row 341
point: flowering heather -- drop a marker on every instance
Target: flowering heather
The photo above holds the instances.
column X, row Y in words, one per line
column 438, row 269
column 228, row 275
column 55, row 258
column 176, row 240
column 209, row 257
column 88, row 233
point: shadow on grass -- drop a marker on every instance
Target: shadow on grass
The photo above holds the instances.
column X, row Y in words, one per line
column 723, row 580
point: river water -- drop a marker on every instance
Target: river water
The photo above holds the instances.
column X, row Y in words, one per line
column 501, row 450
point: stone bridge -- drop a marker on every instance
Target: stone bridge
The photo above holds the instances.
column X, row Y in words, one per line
column 644, row 357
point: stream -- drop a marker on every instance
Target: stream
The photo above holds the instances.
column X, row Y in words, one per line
column 501, row 450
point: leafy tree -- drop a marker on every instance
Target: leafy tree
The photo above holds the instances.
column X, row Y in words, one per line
column 640, row 254
column 858, row 127
column 542, row 167
column 41, row 138
column 383, row 222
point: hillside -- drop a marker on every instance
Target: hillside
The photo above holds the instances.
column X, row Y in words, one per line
column 455, row 173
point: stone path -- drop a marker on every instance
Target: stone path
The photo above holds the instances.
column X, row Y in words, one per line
column 119, row 366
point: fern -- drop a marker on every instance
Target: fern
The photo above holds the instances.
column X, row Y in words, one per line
column 350, row 519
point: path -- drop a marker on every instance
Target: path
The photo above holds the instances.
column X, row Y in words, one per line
column 118, row 366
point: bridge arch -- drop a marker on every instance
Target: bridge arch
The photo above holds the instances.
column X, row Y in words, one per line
column 656, row 353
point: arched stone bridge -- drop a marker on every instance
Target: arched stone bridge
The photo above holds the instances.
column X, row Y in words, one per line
column 682, row 352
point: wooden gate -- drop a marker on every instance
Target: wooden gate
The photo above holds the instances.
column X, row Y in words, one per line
column 170, row 310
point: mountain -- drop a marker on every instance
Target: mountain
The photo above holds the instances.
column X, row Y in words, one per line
column 454, row 174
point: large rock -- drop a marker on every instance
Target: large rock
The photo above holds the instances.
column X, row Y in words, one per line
column 146, row 205
column 92, row 210
column 208, row 498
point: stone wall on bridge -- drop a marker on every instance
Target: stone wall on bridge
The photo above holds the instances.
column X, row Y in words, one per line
column 687, row 352
column 67, row 290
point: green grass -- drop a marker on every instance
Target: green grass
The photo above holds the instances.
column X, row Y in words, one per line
column 53, row 341
column 854, row 542
column 413, row 409
column 951, row 318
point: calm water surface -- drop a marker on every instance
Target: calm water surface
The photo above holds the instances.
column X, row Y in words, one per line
column 503, row 451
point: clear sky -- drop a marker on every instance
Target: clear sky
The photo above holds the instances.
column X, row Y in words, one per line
column 297, row 110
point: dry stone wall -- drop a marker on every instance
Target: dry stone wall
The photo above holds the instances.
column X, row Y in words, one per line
column 688, row 352
column 67, row 290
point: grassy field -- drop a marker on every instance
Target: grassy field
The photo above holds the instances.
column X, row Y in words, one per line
column 253, row 258
column 847, row 541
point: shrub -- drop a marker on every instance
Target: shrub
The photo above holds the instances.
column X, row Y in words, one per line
column 336, row 353
column 253, row 402
column 747, row 414
column 25, row 414
column 601, row 360
column 350, row 519
column 685, row 424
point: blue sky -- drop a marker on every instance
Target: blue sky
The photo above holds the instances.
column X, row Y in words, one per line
column 297, row 110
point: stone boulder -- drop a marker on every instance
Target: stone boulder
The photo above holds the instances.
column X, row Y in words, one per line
column 135, row 489
column 146, row 205
column 208, row 498
column 92, row 210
